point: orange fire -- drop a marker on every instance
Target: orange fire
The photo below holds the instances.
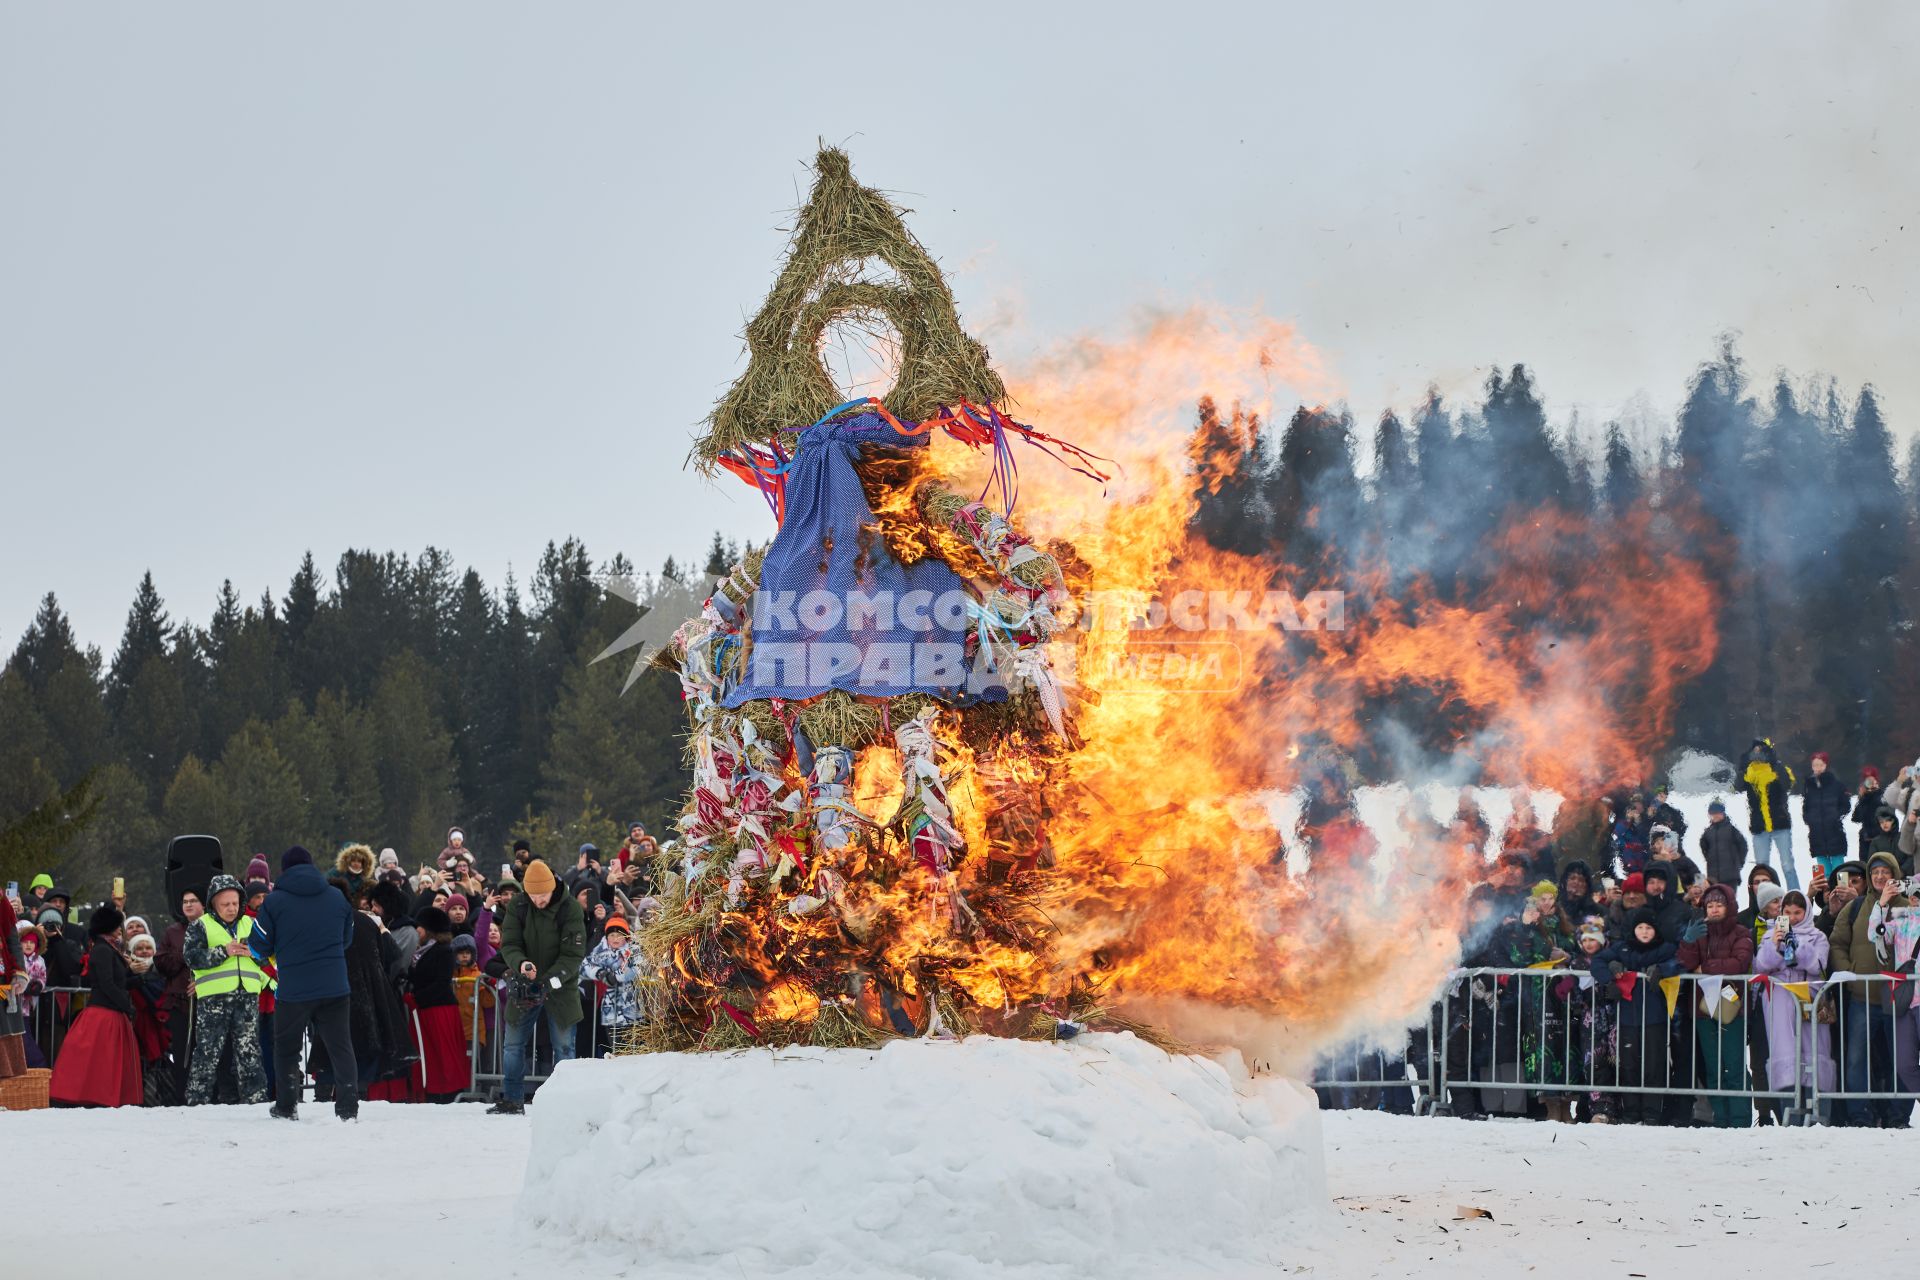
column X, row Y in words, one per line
column 1168, row 893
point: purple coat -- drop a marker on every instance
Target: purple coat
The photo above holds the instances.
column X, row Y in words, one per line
column 1785, row 1022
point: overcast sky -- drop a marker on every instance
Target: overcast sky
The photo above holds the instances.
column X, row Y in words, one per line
column 278, row 278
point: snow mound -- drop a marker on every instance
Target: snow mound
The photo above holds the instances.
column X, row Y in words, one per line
column 1101, row 1155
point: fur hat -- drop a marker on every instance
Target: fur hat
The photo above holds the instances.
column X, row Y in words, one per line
column 34, row 932
column 1768, row 892
column 1642, row 915
column 521, row 846
column 539, row 878
column 354, row 860
column 390, row 899
column 434, row 921
column 106, row 919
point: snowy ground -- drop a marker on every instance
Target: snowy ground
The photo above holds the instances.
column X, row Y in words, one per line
column 430, row 1191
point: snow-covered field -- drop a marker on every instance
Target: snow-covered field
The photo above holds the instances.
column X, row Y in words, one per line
column 433, row 1191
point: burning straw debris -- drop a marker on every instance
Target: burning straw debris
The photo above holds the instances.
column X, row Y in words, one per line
column 1032, row 846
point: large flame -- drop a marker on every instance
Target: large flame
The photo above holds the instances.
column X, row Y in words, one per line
column 1562, row 668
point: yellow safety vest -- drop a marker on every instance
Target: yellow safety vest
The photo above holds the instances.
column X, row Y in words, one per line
column 233, row 973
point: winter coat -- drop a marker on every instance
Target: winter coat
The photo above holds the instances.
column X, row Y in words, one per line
column 1851, row 947
column 1801, row 958
column 1725, row 852
column 108, row 978
column 474, row 993
column 375, row 1015
column 618, row 972
column 306, row 925
column 1823, row 807
column 1685, row 870
column 1865, row 805
column 1665, row 815
column 1727, row 948
column 1766, row 783
column 172, row 964
column 1646, row 1003
column 1672, row 915
column 431, row 978
column 554, row 939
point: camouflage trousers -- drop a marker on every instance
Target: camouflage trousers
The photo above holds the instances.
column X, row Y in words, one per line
column 226, row 1050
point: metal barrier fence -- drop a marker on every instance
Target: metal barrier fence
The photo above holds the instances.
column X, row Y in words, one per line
column 1504, row 1041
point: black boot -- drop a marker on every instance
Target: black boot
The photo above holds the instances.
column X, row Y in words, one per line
column 505, row 1108
column 279, row 1113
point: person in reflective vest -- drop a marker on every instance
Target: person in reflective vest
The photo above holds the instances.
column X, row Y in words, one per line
column 227, row 982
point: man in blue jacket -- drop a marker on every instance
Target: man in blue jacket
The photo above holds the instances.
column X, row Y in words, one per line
column 305, row 926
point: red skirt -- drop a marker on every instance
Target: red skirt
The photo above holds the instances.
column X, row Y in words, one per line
column 99, row 1063
column 443, row 1066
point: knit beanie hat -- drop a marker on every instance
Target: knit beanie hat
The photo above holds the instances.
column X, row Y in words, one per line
column 1593, row 928
column 147, row 938
column 1642, row 915
column 1716, row 807
column 1767, row 893
column 388, row 858
column 294, row 857
column 460, row 899
column 465, row 943
column 1635, row 883
column 258, row 869
column 50, row 918
column 521, row 846
column 1544, row 889
column 143, row 923
column 539, row 877
column 620, row 923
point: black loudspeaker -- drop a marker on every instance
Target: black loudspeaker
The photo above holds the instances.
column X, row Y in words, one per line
column 191, row 862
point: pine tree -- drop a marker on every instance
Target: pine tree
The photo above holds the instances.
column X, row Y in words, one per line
column 297, row 613
column 415, row 766
column 145, row 638
column 1622, row 490
column 1225, row 466
column 262, row 792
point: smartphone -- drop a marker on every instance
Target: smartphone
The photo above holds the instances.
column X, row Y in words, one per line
column 13, row 888
column 506, row 871
column 119, row 886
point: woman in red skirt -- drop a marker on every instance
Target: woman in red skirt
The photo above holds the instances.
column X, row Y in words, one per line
column 443, row 1070
column 99, row 1063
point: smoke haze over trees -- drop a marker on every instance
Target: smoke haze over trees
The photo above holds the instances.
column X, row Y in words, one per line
column 397, row 695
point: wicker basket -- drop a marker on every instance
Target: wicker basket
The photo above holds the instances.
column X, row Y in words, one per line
column 27, row 1092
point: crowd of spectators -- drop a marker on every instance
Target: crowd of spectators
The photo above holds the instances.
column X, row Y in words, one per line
column 452, row 972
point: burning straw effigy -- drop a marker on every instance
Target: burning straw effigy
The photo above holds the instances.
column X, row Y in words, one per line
column 875, row 713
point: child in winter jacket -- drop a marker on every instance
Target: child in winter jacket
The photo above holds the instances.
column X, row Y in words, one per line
column 619, row 967
column 1726, row 951
column 474, row 992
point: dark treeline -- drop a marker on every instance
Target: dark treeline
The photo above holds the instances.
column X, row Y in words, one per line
column 1789, row 491
column 386, row 704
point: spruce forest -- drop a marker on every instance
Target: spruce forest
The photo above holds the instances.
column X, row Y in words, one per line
column 396, row 695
